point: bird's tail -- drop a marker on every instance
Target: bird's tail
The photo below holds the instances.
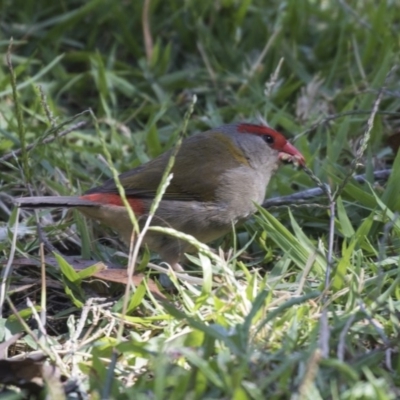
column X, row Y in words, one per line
column 54, row 201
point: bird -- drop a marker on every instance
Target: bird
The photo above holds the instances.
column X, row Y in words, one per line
column 218, row 179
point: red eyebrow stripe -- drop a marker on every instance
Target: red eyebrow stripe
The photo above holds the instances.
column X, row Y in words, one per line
column 112, row 199
column 257, row 129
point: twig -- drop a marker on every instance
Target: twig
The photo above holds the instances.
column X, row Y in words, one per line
column 48, row 351
column 106, row 392
column 371, row 320
column 356, row 16
column 42, row 334
column 72, row 344
column 207, row 63
column 7, row 269
column 307, row 269
column 194, row 280
column 18, row 112
column 44, row 141
column 324, row 329
column 43, row 294
column 331, row 238
column 148, row 40
column 260, row 59
column 324, row 332
column 324, row 325
column 46, row 108
column 165, row 180
column 312, row 367
column 364, row 142
column 342, row 338
column 317, row 191
column 342, row 115
column 41, row 235
column 135, row 243
column 273, row 79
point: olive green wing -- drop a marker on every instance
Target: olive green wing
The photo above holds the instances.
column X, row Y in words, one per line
column 199, row 164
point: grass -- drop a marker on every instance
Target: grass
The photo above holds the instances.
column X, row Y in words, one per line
column 264, row 324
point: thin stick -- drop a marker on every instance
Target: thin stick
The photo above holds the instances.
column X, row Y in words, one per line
column 207, row 63
column 46, row 108
column 135, row 244
column 18, row 112
column 324, row 324
column 49, row 351
column 260, row 59
column 342, row 338
column 342, row 115
column 7, row 269
column 43, row 293
column 364, row 144
column 318, row 191
column 357, row 17
column 324, row 332
column 44, row 141
column 160, row 191
column 148, row 40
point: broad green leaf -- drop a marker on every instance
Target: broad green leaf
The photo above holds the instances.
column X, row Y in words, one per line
column 67, row 269
column 298, row 251
column 345, row 225
column 137, row 297
column 90, row 271
column 391, row 195
column 347, row 253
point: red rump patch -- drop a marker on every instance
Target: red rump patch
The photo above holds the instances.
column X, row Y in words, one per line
column 112, row 199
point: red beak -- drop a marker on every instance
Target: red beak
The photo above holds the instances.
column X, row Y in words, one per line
column 290, row 153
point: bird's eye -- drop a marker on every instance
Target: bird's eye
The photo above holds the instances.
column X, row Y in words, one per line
column 268, row 139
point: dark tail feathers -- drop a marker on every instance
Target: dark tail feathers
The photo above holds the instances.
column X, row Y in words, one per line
column 53, row 201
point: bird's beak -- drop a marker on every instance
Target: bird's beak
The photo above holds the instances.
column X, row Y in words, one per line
column 291, row 154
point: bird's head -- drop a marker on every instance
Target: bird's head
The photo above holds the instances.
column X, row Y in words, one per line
column 275, row 140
